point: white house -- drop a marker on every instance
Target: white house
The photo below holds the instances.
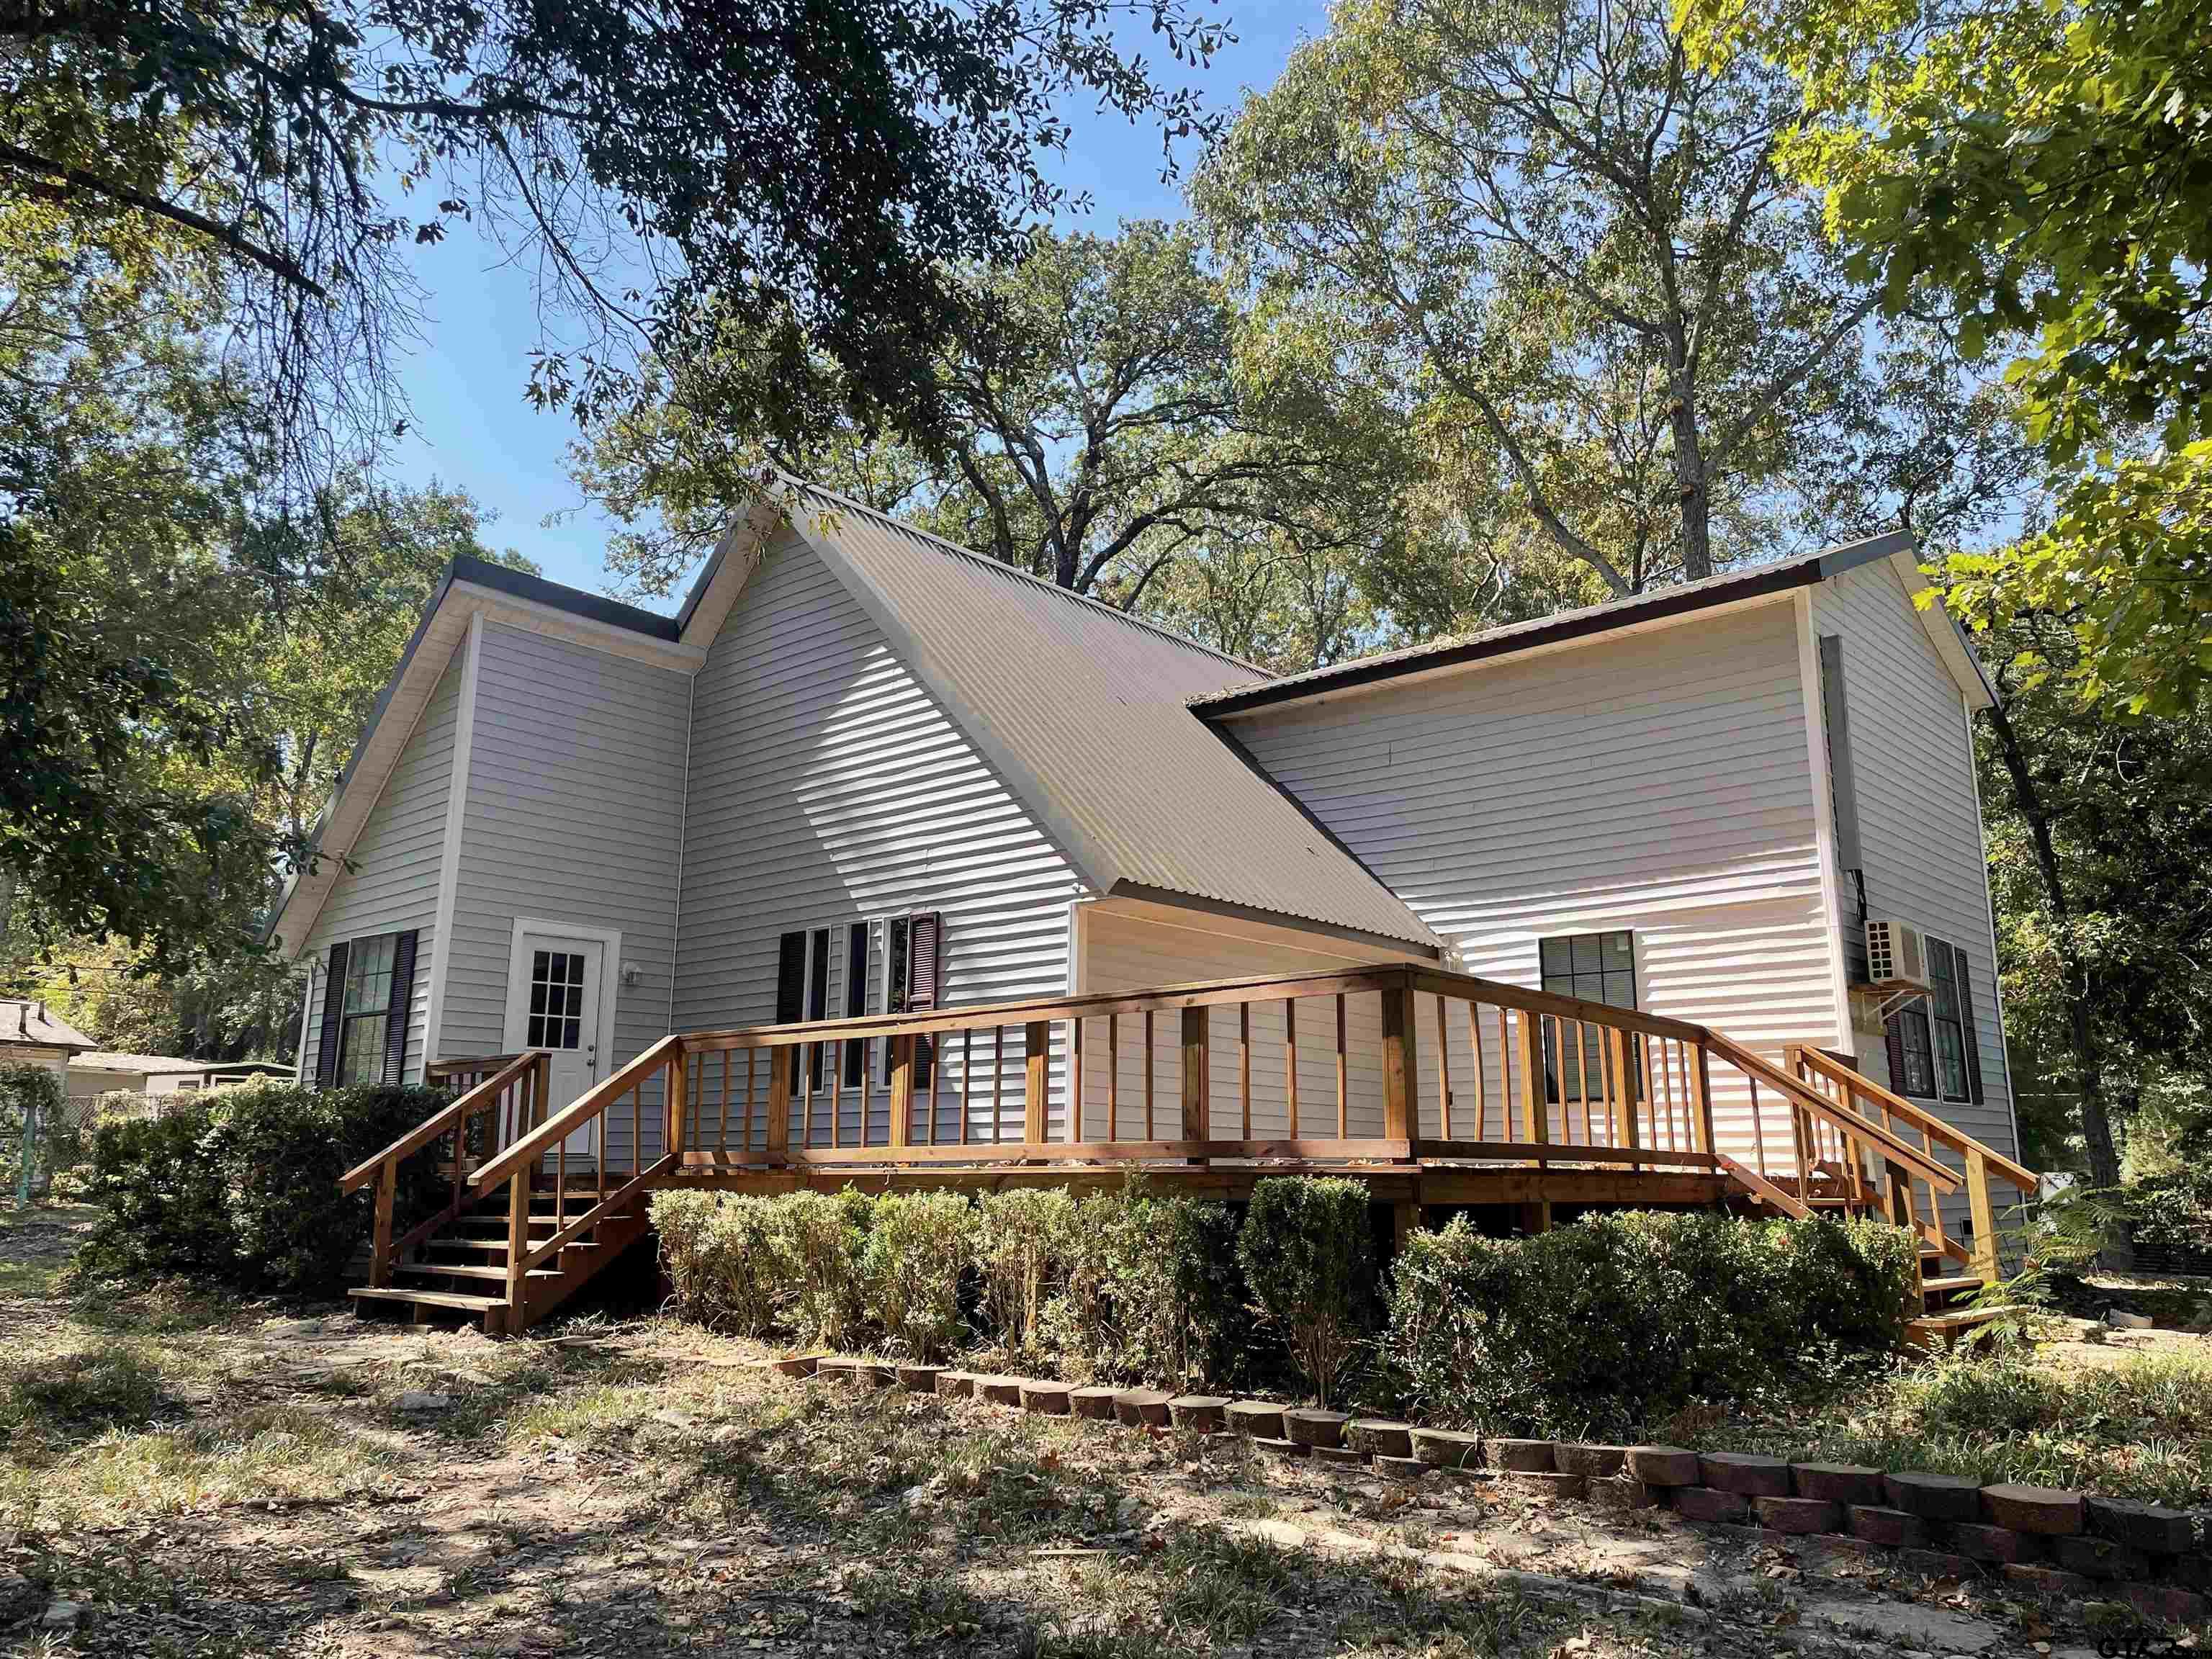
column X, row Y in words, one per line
column 862, row 766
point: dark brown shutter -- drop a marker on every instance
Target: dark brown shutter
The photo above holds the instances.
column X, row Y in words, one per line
column 403, row 999
column 327, row 1045
column 1894, row 1031
column 1969, row 1027
column 856, row 1000
column 925, row 934
column 790, row 984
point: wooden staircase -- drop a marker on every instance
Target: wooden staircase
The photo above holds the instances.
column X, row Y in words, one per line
column 462, row 1269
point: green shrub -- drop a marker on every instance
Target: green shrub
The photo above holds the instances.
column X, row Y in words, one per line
column 1614, row 1322
column 824, row 1237
column 918, row 1245
column 1024, row 1239
column 1152, row 1291
column 1308, row 1251
column 241, row 1185
column 727, row 1257
column 31, row 1089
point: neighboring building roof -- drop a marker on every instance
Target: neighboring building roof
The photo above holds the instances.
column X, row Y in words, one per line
column 1084, row 711
column 1655, row 605
column 109, row 1060
column 25, row 1022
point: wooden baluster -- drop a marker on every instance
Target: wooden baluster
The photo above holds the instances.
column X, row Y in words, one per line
column 637, row 1126
column 777, row 1106
column 1641, row 1048
column 1113, row 1077
column 1290, row 1059
column 1474, row 1045
column 1504, row 1072
column 1343, row 1088
column 722, row 1131
column 1075, row 1080
column 387, row 1189
column 1244, row 1068
column 936, row 1084
column 750, row 1055
column 966, row 1075
column 560, row 1185
column 1443, row 1073
column 1149, row 1134
column 1701, row 1100
column 1197, row 1077
column 675, row 1092
column 1758, row 1129
column 1582, row 1081
column 837, row 1093
column 1036, row 1082
column 1535, row 1106
column 998, row 1082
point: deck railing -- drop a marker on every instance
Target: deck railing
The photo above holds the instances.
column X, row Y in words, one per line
column 501, row 1097
column 1371, row 1068
column 1835, row 1079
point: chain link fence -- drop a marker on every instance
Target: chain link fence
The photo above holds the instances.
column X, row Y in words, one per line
column 46, row 1137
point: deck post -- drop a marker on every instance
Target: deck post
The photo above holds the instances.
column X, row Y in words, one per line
column 902, row 1091
column 1036, row 1082
column 1535, row 1106
column 1701, row 1100
column 387, row 1190
column 1401, row 1117
column 676, row 1102
column 778, row 1108
column 1404, row 1222
column 1984, row 1264
column 518, row 1246
column 1197, row 1067
column 1624, row 1095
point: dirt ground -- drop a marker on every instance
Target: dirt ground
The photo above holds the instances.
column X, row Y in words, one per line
column 185, row 1477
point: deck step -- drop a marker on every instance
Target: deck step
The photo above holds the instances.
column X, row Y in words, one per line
column 1946, row 1283
column 493, row 1246
column 471, row 1270
column 457, row 1300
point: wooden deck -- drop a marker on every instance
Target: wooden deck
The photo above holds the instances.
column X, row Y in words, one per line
column 1394, row 1075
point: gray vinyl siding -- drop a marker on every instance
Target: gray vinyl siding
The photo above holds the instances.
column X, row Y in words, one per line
column 393, row 885
column 828, row 787
column 1659, row 783
column 1919, row 827
column 575, row 814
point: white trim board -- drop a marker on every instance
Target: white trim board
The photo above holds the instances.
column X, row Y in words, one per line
column 449, row 850
column 1823, row 819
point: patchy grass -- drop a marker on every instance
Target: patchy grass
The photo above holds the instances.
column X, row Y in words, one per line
column 2140, row 1428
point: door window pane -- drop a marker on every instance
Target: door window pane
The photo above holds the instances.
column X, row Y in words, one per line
column 556, row 1001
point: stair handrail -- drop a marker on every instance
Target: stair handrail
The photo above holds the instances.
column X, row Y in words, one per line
column 443, row 1121
column 1936, row 1128
column 592, row 1104
column 1892, row 1148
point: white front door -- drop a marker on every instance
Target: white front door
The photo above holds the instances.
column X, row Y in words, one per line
column 560, row 1012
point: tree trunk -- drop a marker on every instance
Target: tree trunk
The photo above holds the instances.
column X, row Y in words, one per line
column 2081, row 1031
column 1691, row 479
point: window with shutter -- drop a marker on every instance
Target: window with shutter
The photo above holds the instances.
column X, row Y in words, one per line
column 1946, row 1020
column 366, row 996
column 1911, row 1055
column 1972, row 1034
column 326, row 1039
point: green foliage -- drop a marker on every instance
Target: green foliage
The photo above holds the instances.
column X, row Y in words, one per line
column 910, row 1270
column 2038, row 171
column 1308, row 1251
column 36, row 1093
column 825, row 1237
column 1025, row 1239
column 241, row 1185
column 1609, row 1325
column 725, row 1255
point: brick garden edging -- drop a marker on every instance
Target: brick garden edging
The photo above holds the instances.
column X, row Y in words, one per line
column 2064, row 1544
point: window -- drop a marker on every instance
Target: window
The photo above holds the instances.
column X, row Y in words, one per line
column 1950, row 1036
column 1595, row 968
column 1912, row 1056
column 905, row 944
column 1935, row 1048
column 556, row 1000
column 369, row 984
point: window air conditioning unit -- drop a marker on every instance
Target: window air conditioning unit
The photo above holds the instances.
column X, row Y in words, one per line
column 1896, row 956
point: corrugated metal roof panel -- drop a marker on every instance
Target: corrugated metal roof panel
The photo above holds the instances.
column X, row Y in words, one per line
column 1085, row 709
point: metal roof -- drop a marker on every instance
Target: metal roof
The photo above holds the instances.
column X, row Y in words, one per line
column 111, row 1060
column 1746, row 582
column 1084, row 712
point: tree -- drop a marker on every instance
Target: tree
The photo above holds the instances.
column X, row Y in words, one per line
column 2041, row 172
column 1570, row 248
column 2100, row 834
column 815, row 165
column 1099, row 433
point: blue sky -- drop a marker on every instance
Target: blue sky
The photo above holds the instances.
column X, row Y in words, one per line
column 473, row 430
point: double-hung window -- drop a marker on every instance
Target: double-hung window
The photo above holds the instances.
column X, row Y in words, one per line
column 365, row 993
column 887, row 964
column 1934, row 1050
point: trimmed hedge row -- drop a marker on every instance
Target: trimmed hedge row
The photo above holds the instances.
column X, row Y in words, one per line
column 240, row 1186
column 1613, row 1323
